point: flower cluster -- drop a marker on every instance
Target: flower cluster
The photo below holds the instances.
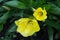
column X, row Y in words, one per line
column 27, row 26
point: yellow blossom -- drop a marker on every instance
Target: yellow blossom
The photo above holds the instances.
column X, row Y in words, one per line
column 40, row 14
column 27, row 27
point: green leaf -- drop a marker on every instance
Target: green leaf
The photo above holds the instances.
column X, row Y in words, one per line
column 57, row 35
column 41, row 1
column 2, row 9
column 5, row 17
column 1, row 0
column 50, row 33
column 54, row 9
column 7, row 38
column 28, row 3
column 47, row 7
column 31, row 3
column 49, row 0
column 9, row 31
column 58, row 32
column 53, row 24
column 1, row 27
column 16, row 4
column 58, row 2
column 12, row 28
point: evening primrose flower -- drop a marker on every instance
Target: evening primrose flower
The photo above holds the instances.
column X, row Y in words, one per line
column 27, row 27
column 40, row 14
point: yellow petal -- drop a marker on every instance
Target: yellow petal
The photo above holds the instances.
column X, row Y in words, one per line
column 27, row 27
column 40, row 14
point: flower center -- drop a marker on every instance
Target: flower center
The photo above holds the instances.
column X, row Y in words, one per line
column 30, row 23
column 40, row 13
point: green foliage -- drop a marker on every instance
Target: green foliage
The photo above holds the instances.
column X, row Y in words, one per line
column 54, row 9
column 58, row 2
column 16, row 4
column 50, row 33
column 1, row 27
column 53, row 24
column 1, row 0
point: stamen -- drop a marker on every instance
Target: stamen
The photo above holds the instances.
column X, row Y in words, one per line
column 40, row 13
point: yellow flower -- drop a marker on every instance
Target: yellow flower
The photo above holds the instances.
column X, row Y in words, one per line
column 27, row 27
column 40, row 14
